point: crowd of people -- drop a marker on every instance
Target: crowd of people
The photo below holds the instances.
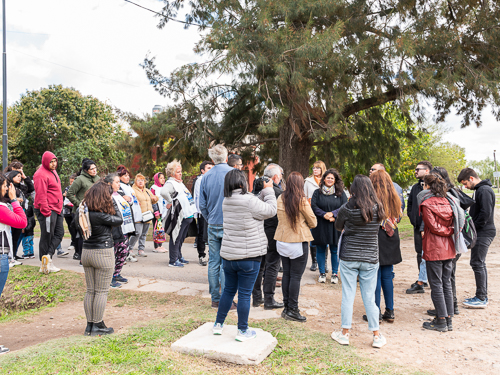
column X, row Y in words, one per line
column 252, row 235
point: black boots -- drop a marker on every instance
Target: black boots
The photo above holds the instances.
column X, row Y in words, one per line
column 283, row 313
column 294, row 315
column 88, row 330
column 437, row 324
column 257, row 301
column 314, row 265
column 100, row 329
column 388, row 315
column 272, row 304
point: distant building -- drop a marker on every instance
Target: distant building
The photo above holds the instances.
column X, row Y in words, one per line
column 157, row 109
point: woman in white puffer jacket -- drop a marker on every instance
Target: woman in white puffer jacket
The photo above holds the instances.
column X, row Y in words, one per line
column 243, row 245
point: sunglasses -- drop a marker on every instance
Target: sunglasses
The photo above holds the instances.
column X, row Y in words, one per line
column 420, row 169
column 372, row 169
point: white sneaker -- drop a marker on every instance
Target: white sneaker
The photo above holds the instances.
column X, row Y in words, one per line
column 340, row 338
column 15, row 263
column 45, row 264
column 53, row 268
column 322, row 278
column 379, row 341
column 71, row 248
column 217, row 329
column 131, row 259
column 335, row 279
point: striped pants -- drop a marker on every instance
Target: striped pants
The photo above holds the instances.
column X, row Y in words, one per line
column 99, row 265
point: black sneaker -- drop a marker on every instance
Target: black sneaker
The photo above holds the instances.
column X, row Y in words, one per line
column 314, row 266
column 77, row 256
column 425, row 285
column 415, row 289
column 388, row 316
column 431, row 312
column 365, row 318
column 437, row 324
column 449, row 323
column 19, row 257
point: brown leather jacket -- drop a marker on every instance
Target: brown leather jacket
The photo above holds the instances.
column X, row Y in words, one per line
column 306, row 221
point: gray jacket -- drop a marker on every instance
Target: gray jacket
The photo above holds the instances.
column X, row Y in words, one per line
column 359, row 240
column 244, row 216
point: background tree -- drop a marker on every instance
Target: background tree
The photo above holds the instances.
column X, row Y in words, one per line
column 71, row 125
column 282, row 73
column 484, row 168
column 12, row 131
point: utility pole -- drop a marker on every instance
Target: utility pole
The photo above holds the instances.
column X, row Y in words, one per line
column 4, row 136
column 496, row 170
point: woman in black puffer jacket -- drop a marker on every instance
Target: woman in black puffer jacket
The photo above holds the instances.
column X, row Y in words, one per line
column 98, row 257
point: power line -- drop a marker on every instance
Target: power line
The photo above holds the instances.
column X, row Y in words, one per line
column 76, row 70
column 25, row 32
column 164, row 16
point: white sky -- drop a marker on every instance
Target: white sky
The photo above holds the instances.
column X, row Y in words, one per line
column 109, row 39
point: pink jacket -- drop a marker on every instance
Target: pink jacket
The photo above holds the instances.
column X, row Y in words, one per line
column 48, row 194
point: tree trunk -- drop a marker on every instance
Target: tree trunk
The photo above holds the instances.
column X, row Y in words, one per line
column 294, row 153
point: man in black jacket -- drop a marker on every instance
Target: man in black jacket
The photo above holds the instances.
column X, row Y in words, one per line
column 423, row 168
column 271, row 262
column 482, row 214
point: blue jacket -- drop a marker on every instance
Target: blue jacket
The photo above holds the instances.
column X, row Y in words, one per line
column 400, row 193
column 212, row 193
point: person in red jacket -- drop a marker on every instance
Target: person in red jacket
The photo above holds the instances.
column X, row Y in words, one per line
column 438, row 249
column 48, row 207
column 11, row 216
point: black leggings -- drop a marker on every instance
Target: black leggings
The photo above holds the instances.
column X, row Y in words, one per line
column 293, row 269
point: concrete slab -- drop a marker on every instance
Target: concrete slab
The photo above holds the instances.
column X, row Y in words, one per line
column 188, row 292
column 201, row 342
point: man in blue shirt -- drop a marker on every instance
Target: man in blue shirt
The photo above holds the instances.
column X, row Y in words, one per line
column 211, row 198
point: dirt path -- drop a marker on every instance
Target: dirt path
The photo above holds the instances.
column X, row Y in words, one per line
column 473, row 346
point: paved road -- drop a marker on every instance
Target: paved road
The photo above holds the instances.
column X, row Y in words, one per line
column 155, row 265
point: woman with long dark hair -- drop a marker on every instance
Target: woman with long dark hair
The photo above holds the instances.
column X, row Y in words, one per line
column 438, row 244
column 295, row 221
column 87, row 176
column 243, row 244
column 388, row 241
column 98, row 259
column 11, row 216
column 325, row 202
column 360, row 220
column 15, row 177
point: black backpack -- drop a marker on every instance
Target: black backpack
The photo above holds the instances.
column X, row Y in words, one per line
column 469, row 231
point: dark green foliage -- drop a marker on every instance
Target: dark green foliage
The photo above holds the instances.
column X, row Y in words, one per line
column 299, row 71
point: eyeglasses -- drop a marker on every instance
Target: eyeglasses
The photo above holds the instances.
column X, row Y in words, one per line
column 420, row 169
column 316, row 167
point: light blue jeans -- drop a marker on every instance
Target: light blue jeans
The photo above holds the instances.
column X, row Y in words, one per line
column 367, row 272
column 4, row 270
column 422, row 275
column 216, row 278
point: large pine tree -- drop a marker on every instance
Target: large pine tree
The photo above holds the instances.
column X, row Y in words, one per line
column 288, row 75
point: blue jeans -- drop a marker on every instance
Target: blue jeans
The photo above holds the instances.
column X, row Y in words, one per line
column 422, row 275
column 4, row 270
column 28, row 248
column 215, row 272
column 240, row 277
column 321, row 257
column 384, row 282
column 367, row 273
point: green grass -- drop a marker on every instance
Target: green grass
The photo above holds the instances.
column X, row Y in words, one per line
column 405, row 228
column 146, row 350
column 28, row 291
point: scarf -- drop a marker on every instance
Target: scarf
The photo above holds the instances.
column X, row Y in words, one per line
column 328, row 190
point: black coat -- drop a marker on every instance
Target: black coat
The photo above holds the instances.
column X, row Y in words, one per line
column 30, row 215
column 482, row 212
column 412, row 208
column 271, row 224
column 101, row 229
column 325, row 232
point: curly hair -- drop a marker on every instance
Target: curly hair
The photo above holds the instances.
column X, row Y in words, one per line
column 339, row 184
column 436, row 184
column 171, row 168
column 98, row 198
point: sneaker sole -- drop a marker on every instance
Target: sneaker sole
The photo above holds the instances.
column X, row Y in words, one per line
column 243, row 339
column 45, row 265
column 416, row 292
column 287, row 317
column 475, row 307
column 217, row 333
column 171, row 265
column 378, row 346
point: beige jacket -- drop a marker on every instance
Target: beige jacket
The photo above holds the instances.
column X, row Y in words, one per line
column 306, row 221
column 145, row 197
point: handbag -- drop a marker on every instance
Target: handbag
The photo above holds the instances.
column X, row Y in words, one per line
column 159, row 233
column 147, row 216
